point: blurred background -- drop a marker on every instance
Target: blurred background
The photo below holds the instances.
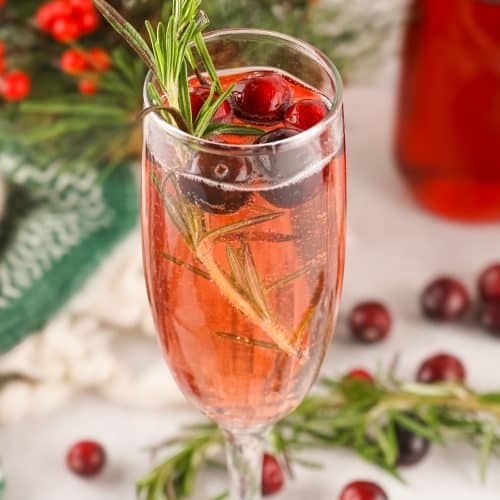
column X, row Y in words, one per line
column 79, row 358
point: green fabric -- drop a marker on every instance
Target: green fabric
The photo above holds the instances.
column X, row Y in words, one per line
column 58, row 227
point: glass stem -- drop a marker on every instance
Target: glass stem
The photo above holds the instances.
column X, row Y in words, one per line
column 244, row 452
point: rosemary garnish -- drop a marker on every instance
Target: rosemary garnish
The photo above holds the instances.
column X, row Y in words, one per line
column 170, row 57
column 348, row 413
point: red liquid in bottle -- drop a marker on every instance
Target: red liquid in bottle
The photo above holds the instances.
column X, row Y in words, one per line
column 448, row 129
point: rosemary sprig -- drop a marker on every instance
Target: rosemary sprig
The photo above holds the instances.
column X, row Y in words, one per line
column 170, row 57
column 352, row 414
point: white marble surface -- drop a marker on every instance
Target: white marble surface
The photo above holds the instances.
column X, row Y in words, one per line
column 393, row 249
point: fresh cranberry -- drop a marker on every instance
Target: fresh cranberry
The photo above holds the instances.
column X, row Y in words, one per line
column 218, row 169
column 88, row 21
column 262, row 97
column 412, row 448
column 305, row 114
column 359, row 374
column 489, row 283
column 272, row 475
column 15, row 86
column 86, row 458
column 278, row 164
column 363, row 490
column 489, row 316
column 87, row 86
column 444, row 299
column 74, row 61
column 48, row 13
column 66, row 29
column 199, row 95
column 442, row 367
column 99, row 59
column 370, row 322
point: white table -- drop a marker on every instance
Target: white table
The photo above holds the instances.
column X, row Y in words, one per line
column 393, row 250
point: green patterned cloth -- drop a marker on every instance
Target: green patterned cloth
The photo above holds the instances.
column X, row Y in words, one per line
column 57, row 228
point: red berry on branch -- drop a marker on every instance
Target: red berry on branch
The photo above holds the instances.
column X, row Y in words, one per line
column 15, row 86
column 363, row 490
column 444, row 299
column 305, row 114
column 86, row 458
column 442, row 367
column 370, row 322
column 82, row 5
column 489, row 283
column 262, row 98
column 74, row 61
column 88, row 21
column 66, row 29
column 272, row 475
column 87, row 86
column 48, row 13
column 359, row 374
column 99, row 59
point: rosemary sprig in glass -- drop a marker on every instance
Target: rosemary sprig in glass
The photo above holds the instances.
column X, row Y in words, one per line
column 353, row 414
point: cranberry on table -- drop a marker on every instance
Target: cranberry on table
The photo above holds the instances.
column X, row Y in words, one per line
column 15, row 86
column 441, row 367
column 198, row 96
column 363, row 490
column 412, row 447
column 86, row 458
column 305, row 114
column 489, row 283
column 370, row 322
column 360, row 374
column 272, row 475
column 444, row 299
column 217, row 169
column 489, row 316
column 262, row 98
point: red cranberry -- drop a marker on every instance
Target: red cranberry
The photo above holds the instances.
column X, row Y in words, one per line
column 2, row 50
column 86, row 458
column 199, row 95
column 363, row 490
column 370, row 322
column 489, row 283
column 276, row 165
column 99, row 59
column 412, row 448
column 489, row 316
column 73, row 61
column 444, row 299
column 15, row 86
column 262, row 97
column 359, row 374
column 272, row 475
column 220, row 169
column 82, row 5
column 441, row 368
column 305, row 114
column 88, row 86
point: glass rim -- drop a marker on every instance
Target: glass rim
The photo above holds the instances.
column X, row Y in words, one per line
column 217, row 147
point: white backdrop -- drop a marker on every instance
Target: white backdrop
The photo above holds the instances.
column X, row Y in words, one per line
column 393, row 250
